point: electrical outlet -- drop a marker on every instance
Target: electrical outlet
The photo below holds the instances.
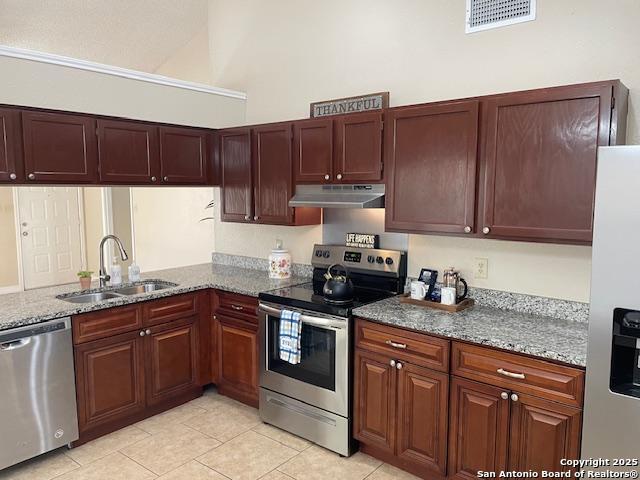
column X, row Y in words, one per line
column 481, row 270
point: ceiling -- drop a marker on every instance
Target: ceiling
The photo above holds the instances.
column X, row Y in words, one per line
column 136, row 34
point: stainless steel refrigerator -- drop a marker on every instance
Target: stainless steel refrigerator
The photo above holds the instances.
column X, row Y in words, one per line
column 612, row 396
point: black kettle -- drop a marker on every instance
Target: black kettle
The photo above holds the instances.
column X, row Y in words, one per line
column 338, row 288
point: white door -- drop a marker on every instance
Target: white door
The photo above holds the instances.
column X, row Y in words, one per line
column 51, row 234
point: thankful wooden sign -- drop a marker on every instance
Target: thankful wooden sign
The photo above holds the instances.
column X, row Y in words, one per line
column 340, row 106
column 362, row 240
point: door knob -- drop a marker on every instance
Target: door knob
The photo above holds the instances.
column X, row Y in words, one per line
column 25, row 234
column 327, row 177
column 392, row 363
column 31, row 176
column 467, row 229
column 486, row 230
column 24, row 224
column 399, row 366
column 514, row 397
column 339, row 176
column 12, row 176
column 504, row 395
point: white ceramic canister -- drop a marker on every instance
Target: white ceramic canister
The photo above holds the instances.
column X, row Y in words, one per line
column 279, row 262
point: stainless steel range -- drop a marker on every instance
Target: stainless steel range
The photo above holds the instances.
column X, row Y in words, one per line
column 312, row 399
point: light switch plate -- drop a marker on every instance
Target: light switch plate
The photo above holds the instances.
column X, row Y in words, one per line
column 481, row 269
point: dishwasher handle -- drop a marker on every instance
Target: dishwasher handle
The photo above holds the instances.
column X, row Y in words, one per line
column 15, row 344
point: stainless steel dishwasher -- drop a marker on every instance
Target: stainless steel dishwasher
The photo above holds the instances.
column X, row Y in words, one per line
column 38, row 396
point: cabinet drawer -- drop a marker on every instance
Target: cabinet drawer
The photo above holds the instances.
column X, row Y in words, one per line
column 401, row 344
column 235, row 305
column 170, row 308
column 105, row 323
column 520, row 373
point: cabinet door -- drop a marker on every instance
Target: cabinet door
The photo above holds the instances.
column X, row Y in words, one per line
column 358, row 155
column 59, row 148
column 423, row 407
column 183, row 155
column 172, row 366
column 542, row 434
column 541, row 149
column 236, row 182
column 313, row 151
column 430, row 157
column 128, row 152
column 110, row 380
column 375, row 400
column 478, row 429
column 237, row 361
column 11, row 169
column 273, row 171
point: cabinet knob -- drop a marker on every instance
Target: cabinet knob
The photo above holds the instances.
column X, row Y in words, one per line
column 147, row 331
column 247, row 217
column 392, row 363
column 399, row 366
column 504, row 395
column 166, row 179
column 339, row 176
column 31, row 176
column 153, row 179
column 514, row 397
column 142, row 333
column 13, row 176
column 467, row 229
column 256, row 217
column 486, row 230
column 327, row 177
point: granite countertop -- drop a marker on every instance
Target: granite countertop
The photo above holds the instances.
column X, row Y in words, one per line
column 35, row 306
column 545, row 337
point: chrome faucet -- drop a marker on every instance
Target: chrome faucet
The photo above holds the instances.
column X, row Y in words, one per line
column 104, row 277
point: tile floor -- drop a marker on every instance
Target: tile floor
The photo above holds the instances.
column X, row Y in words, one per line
column 210, row 438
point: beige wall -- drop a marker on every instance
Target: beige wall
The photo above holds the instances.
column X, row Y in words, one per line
column 191, row 62
column 288, row 53
column 8, row 249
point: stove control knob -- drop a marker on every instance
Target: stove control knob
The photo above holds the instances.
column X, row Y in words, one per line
column 371, row 259
column 318, row 253
column 380, row 260
column 326, row 254
column 388, row 261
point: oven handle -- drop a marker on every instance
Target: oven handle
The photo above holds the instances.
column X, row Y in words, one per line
column 306, row 319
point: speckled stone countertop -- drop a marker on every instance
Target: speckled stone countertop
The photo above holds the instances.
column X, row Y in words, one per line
column 545, row 337
column 35, row 306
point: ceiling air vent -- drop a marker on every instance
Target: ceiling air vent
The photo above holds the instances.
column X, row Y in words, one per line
column 486, row 14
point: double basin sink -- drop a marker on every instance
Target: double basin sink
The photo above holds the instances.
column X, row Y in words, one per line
column 111, row 292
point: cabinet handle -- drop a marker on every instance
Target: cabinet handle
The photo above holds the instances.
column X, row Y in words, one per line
column 339, row 176
column 142, row 333
column 467, row 229
column 166, row 179
column 13, row 176
column 506, row 373
column 31, row 176
column 147, row 331
column 392, row 363
column 399, row 366
column 236, row 307
column 327, row 177
column 153, row 179
column 486, row 230
column 403, row 346
column 514, row 397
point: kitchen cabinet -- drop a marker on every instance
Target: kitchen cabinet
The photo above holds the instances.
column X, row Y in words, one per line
column 431, row 156
column 128, row 152
column 541, row 160
column 401, row 408
column 129, row 365
column 257, row 177
column 59, row 148
column 183, row 156
column 11, row 169
column 343, row 149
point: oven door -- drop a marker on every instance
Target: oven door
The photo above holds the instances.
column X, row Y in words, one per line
column 321, row 378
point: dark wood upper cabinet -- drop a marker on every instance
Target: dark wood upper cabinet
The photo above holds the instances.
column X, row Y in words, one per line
column 541, row 158
column 11, row 169
column 478, row 429
column 59, row 148
column 128, row 152
column 542, row 434
column 423, row 399
column 358, row 148
column 273, row 185
column 430, row 157
column 313, row 151
column 236, row 175
column 183, row 155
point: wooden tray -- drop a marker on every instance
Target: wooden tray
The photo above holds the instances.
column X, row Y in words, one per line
column 463, row 305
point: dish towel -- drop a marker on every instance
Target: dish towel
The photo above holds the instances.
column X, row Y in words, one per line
column 290, row 333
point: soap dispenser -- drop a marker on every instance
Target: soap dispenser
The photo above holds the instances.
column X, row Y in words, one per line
column 115, row 273
column 279, row 262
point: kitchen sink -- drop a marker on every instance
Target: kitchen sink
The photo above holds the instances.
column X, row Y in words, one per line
column 142, row 288
column 90, row 297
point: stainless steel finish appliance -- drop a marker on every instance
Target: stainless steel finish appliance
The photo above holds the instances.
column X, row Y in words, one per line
column 339, row 196
column 312, row 399
column 612, row 394
column 38, row 404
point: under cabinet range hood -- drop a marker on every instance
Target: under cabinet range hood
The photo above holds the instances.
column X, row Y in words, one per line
column 339, row 196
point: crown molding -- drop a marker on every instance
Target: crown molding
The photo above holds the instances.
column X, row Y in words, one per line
column 61, row 60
